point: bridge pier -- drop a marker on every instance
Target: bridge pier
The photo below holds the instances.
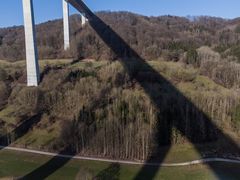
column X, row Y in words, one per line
column 33, row 76
column 66, row 29
column 84, row 20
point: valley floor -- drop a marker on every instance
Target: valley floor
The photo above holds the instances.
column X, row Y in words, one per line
column 27, row 165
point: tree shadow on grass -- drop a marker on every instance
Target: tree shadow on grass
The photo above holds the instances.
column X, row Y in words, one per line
column 175, row 110
column 110, row 173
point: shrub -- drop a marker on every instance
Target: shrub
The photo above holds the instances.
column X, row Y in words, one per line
column 192, row 57
column 3, row 74
column 3, row 92
column 235, row 51
column 84, row 174
column 237, row 29
column 236, row 116
column 27, row 100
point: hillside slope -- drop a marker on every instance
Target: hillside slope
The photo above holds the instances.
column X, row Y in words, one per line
column 152, row 37
column 94, row 108
column 181, row 86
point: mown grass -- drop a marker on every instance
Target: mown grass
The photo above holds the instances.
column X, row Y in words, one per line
column 16, row 164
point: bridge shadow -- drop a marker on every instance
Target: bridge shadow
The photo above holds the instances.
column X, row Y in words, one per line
column 174, row 109
column 20, row 130
column 68, row 151
column 51, row 166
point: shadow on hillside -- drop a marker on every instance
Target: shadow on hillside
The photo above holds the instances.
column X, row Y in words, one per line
column 47, row 70
column 20, row 131
column 170, row 101
column 175, row 110
column 57, row 162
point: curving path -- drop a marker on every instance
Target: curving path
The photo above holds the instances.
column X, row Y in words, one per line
column 188, row 163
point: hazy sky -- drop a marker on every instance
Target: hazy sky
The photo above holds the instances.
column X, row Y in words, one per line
column 11, row 10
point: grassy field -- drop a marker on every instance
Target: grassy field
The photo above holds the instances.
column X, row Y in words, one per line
column 49, row 62
column 15, row 164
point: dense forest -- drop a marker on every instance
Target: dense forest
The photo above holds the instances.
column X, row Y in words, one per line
column 152, row 37
column 188, row 90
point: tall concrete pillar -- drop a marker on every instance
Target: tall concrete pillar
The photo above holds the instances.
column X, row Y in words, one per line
column 33, row 76
column 84, row 20
column 66, row 29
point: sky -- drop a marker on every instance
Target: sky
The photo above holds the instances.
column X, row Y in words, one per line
column 44, row 10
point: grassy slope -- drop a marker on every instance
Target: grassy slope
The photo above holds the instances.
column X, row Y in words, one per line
column 19, row 164
column 38, row 138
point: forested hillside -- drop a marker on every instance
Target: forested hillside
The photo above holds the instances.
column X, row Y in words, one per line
column 95, row 108
column 206, row 42
column 184, row 87
column 152, row 37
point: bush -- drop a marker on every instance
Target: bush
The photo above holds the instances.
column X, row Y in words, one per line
column 235, row 51
column 182, row 75
column 84, row 174
column 3, row 92
column 27, row 100
column 236, row 116
column 3, row 74
column 222, row 72
column 192, row 57
column 237, row 29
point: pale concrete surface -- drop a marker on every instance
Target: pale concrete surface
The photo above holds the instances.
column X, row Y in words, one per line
column 33, row 76
column 66, row 27
column 84, row 20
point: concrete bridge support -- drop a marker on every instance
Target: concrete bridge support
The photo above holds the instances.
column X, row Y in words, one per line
column 33, row 76
column 33, row 73
column 66, row 29
column 84, row 20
